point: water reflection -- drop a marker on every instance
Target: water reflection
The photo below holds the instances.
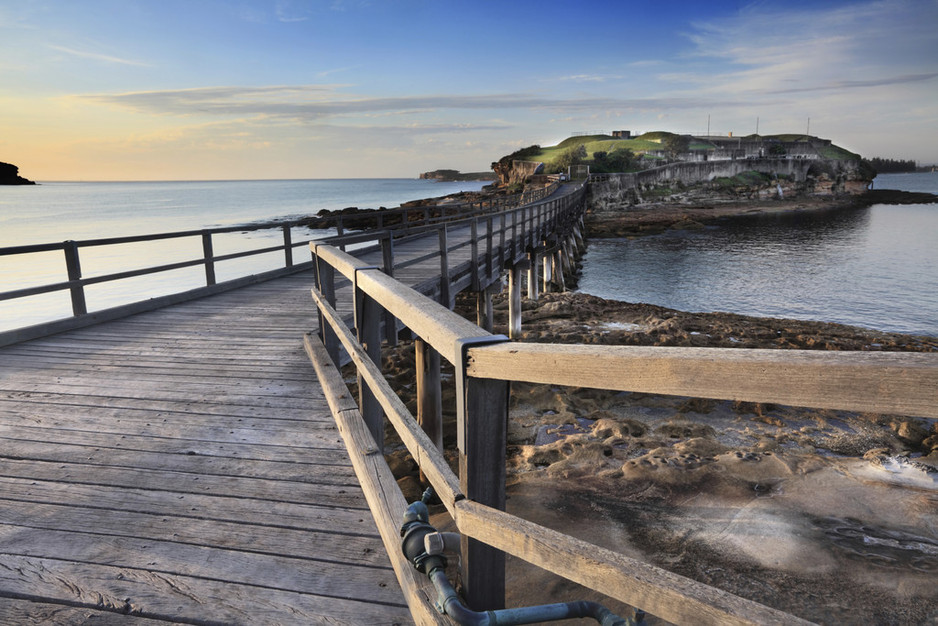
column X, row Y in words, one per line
column 874, row 267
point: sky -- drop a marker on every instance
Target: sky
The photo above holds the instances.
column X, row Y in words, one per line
column 278, row 89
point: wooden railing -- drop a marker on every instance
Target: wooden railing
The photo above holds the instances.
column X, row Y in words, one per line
column 400, row 220
column 485, row 364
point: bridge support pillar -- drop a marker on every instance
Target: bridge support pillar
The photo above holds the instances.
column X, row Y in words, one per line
column 514, row 299
column 532, row 275
column 485, row 312
column 558, row 257
column 548, row 259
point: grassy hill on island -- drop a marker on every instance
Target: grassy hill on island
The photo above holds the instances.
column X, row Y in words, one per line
column 605, row 153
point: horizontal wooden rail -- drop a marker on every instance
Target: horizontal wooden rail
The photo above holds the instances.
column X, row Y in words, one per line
column 901, row 383
column 425, row 454
column 436, row 324
column 659, row 592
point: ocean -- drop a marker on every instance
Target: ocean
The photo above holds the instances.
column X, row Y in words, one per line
column 59, row 211
column 875, row 267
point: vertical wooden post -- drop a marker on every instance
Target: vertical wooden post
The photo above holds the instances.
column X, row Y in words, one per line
column 474, row 246
column 444, row 267
column 429, row 393
column 514, row 300
column 368, row 329
column 340, row 230
column 501, row 240
column 483, row 439
column 209, row 256
column 387, row 255
column 325, row 282
column 488, row 249
column 287, row 246
column 73, row 267
column 484, row 309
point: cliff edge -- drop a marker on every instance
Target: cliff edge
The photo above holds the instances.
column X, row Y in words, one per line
column 10, row 175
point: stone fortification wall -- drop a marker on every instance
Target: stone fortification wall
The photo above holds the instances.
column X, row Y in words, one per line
column 686, row 182
column 689, row 173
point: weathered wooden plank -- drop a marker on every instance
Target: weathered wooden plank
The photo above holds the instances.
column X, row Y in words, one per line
column 143, row 592
column 289, row 573
column 884, row 382
column 27, row 612
column 156, row 424
column 182, row 483
column 191, row 407
column 244, row 535
column 305, row 516
column 336, row 473
column 203, row 393
column 324, row 452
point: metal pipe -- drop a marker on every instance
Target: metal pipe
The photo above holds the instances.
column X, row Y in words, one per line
column 414, row 532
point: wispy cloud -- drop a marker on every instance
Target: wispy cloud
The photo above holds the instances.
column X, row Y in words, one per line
column 786, row 51
column 316, row 102
column 97, row 56
column 858, row 84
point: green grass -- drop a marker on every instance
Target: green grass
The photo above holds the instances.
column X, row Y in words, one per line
column 653, row 141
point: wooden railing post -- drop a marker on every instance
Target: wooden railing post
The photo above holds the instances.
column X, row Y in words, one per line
column 482, row 433
column 325, row 282
column 444, row 267
column 287, row 246
column 209, row 256
column 488, row 248
column 368, row 331
column 429, row 393
column 73, row 267
column 474, row 247
column 501, row 240
column 387, row 255
column 340, row 230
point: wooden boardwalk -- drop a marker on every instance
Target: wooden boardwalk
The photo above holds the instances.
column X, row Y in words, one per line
column 183, row 465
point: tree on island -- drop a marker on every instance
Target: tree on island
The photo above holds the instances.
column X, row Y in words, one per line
column 616, row 161
column 676, row 145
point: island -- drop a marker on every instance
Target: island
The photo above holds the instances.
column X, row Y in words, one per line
column 10, row 175
column 449, row 176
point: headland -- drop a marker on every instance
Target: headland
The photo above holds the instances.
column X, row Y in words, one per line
column 9, row 175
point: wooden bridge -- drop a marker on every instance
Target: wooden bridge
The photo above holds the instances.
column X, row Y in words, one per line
column 184, row 464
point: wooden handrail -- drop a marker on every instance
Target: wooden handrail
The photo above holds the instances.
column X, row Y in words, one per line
column 902, row 383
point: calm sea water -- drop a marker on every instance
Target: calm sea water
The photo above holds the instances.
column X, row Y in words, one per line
column 875, row 267
column 55, row 212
